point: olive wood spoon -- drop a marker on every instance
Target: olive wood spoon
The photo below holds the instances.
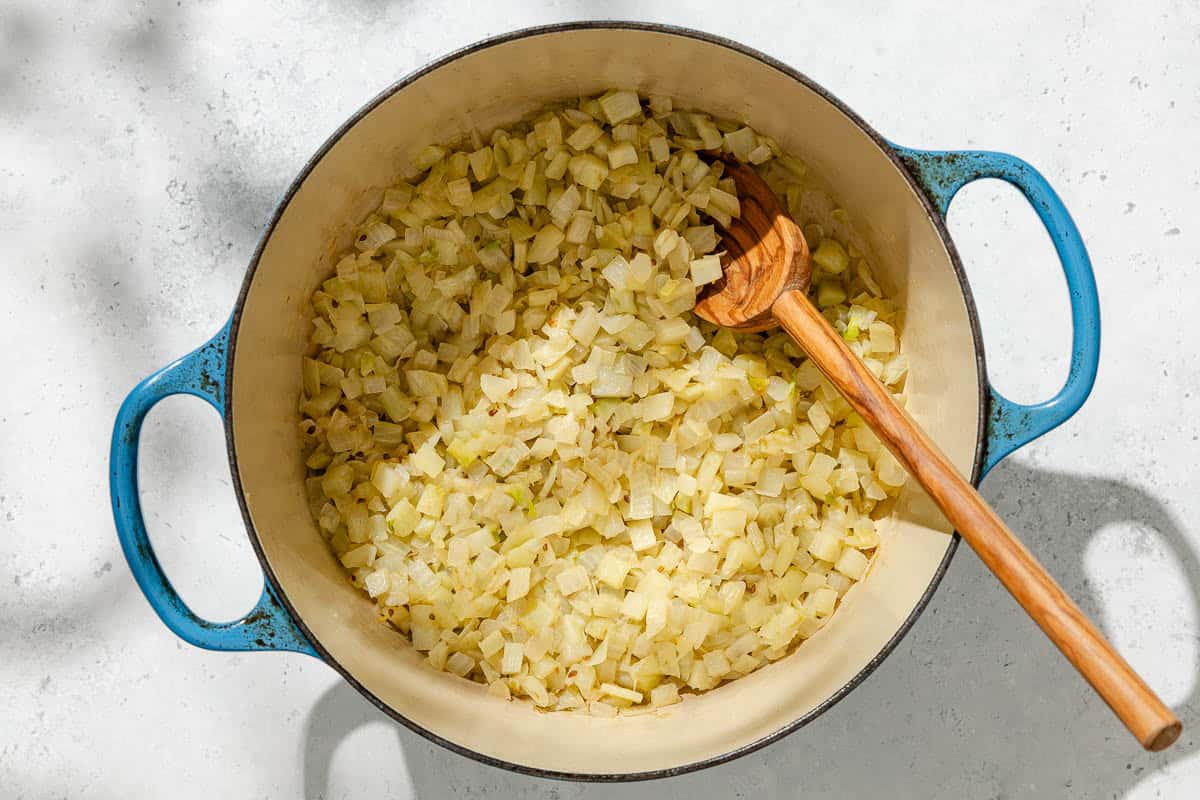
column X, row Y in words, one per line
column 767, row 270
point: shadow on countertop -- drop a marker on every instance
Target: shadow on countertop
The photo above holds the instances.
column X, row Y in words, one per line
column 975, row 702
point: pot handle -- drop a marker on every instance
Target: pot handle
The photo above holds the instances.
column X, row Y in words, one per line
column 268, row 626
column 941, row 173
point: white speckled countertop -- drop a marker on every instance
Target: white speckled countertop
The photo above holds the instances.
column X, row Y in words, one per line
column 142, row 148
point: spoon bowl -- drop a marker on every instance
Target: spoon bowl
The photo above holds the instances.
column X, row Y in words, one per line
column 766, row 255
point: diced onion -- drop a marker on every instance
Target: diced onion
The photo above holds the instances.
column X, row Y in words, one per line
column 540, row 465
column 706, row 270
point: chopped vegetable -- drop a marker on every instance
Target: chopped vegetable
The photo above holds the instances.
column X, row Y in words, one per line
column 831, row 256
column 705, row 270
column 542, row 466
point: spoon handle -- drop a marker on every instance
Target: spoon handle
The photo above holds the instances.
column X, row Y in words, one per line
column 1147, row 718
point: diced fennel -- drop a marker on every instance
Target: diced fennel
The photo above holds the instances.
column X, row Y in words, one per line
column 543, row 468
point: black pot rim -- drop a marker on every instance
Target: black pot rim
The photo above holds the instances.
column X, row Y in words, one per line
column 688, row 33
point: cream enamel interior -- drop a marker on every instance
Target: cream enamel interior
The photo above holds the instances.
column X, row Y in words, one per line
column 495, row 86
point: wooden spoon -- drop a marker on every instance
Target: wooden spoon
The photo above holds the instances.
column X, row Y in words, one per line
column 765, row 282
